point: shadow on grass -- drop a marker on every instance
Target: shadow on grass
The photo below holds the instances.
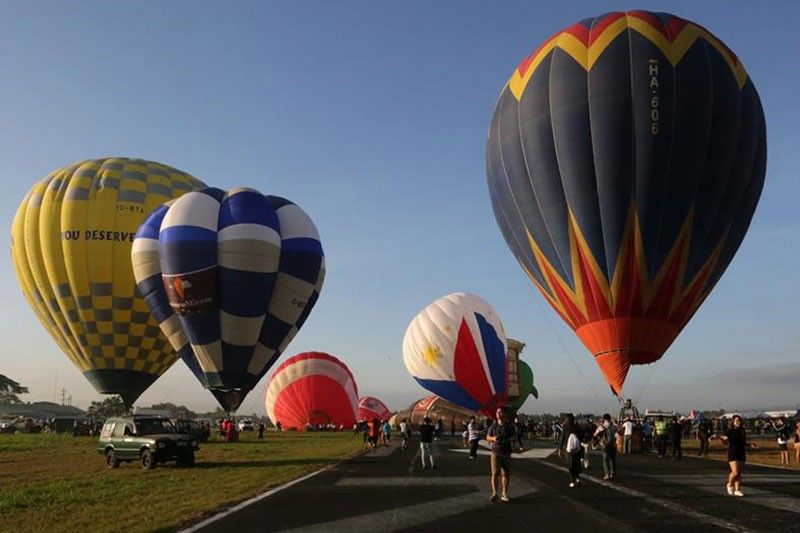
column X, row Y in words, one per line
column 275, row 462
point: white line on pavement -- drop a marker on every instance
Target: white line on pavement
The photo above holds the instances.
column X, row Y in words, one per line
column 672, row 506
column 253, row 500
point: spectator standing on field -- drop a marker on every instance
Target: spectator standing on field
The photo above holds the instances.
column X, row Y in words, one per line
column 605, row 435
column 426, row 434
column 675, row 436
column 661, row 437
column 473, row 437
column 628, row 429
column 501, row 435
column 782, row 431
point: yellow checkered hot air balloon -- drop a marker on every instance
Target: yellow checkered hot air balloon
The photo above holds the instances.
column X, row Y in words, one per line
column 71, row 247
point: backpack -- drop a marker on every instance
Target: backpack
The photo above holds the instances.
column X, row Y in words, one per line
column 606, row 438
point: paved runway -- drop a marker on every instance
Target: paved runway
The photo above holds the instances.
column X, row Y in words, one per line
column 389, row 491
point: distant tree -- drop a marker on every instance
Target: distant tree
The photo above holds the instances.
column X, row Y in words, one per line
column 9, row 390
column 111, row 406
column 176, row 411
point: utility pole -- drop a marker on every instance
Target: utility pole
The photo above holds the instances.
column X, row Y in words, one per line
column 63, row 396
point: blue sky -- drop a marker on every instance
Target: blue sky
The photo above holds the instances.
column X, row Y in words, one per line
column 373, row 117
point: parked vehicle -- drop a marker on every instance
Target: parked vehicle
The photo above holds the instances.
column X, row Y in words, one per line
column 191, row 428
column 147, row 439
column 246, row 425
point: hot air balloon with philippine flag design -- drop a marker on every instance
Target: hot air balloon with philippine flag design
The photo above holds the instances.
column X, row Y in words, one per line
column 456, row 349
column 625, row 160
column 230, row 277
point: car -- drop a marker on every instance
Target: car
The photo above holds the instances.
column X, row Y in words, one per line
column 8, row 425
column 148, row 439
column 246, row 425
column 191, row 428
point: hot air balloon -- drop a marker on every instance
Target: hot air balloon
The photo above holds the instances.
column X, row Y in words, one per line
column 456, row 349
column 369, row 408
column 71, row 244
column 625, row 160
column 230, row 278
column 526, row 387
column 312, row 388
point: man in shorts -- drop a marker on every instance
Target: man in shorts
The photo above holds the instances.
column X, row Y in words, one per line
column 501, row 435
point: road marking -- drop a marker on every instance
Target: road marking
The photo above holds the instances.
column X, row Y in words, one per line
column 535, row 453
column 755, row 495
column 672, row 506
column 255, row 499
column 410, row 481
column 419, row 514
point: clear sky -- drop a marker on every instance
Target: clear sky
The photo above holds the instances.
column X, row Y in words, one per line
column 372, row 116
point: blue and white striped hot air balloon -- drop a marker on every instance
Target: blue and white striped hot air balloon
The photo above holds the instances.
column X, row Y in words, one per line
column 230, row 278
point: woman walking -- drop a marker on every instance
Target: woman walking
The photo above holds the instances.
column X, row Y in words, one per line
column 736, row 439
column 574, row 449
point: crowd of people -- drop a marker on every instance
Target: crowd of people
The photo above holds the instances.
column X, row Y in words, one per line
column 575, row 437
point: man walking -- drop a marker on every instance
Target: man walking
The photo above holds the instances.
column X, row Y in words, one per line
column 474, row 437
column 426, row 432
column 501, row 435
column 606, row 435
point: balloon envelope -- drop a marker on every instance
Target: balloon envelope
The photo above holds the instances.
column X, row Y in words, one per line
column 312, row 388
column 230, row 278
column 625, row 159
column 456, row 349
column 71, row 245
column 370, row 408
column 526, row 387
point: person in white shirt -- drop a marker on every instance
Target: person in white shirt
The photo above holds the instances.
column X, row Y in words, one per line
column 628, row 429
column 573, row 449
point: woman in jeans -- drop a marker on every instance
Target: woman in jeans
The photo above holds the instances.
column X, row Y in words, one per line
column 606, row 435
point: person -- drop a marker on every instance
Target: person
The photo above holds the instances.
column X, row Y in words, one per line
column 439, row 428
column 473, row 437
column 374, row 433
column 278, row 426
column 647, row 436
column 797, row 441
column 520, row 429
column 453, row 427
column 426, row 432
column 501, row 435
column 604, row 434
column 627, row 427
column 573, row 449
column 782, row 431
column 364, row 427
column 703, row 434
column 675, row 435
column 261, row 430
column 387, row 433
column 661, row 437
column 404, row 434
column 736, row 439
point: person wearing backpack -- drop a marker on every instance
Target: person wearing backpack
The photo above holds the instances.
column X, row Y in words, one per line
column 606, row 434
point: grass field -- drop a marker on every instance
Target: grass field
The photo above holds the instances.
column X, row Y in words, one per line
column 60, row 483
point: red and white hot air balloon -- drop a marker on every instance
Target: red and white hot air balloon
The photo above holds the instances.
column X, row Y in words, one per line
column 312, row 388
column 370, row 408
